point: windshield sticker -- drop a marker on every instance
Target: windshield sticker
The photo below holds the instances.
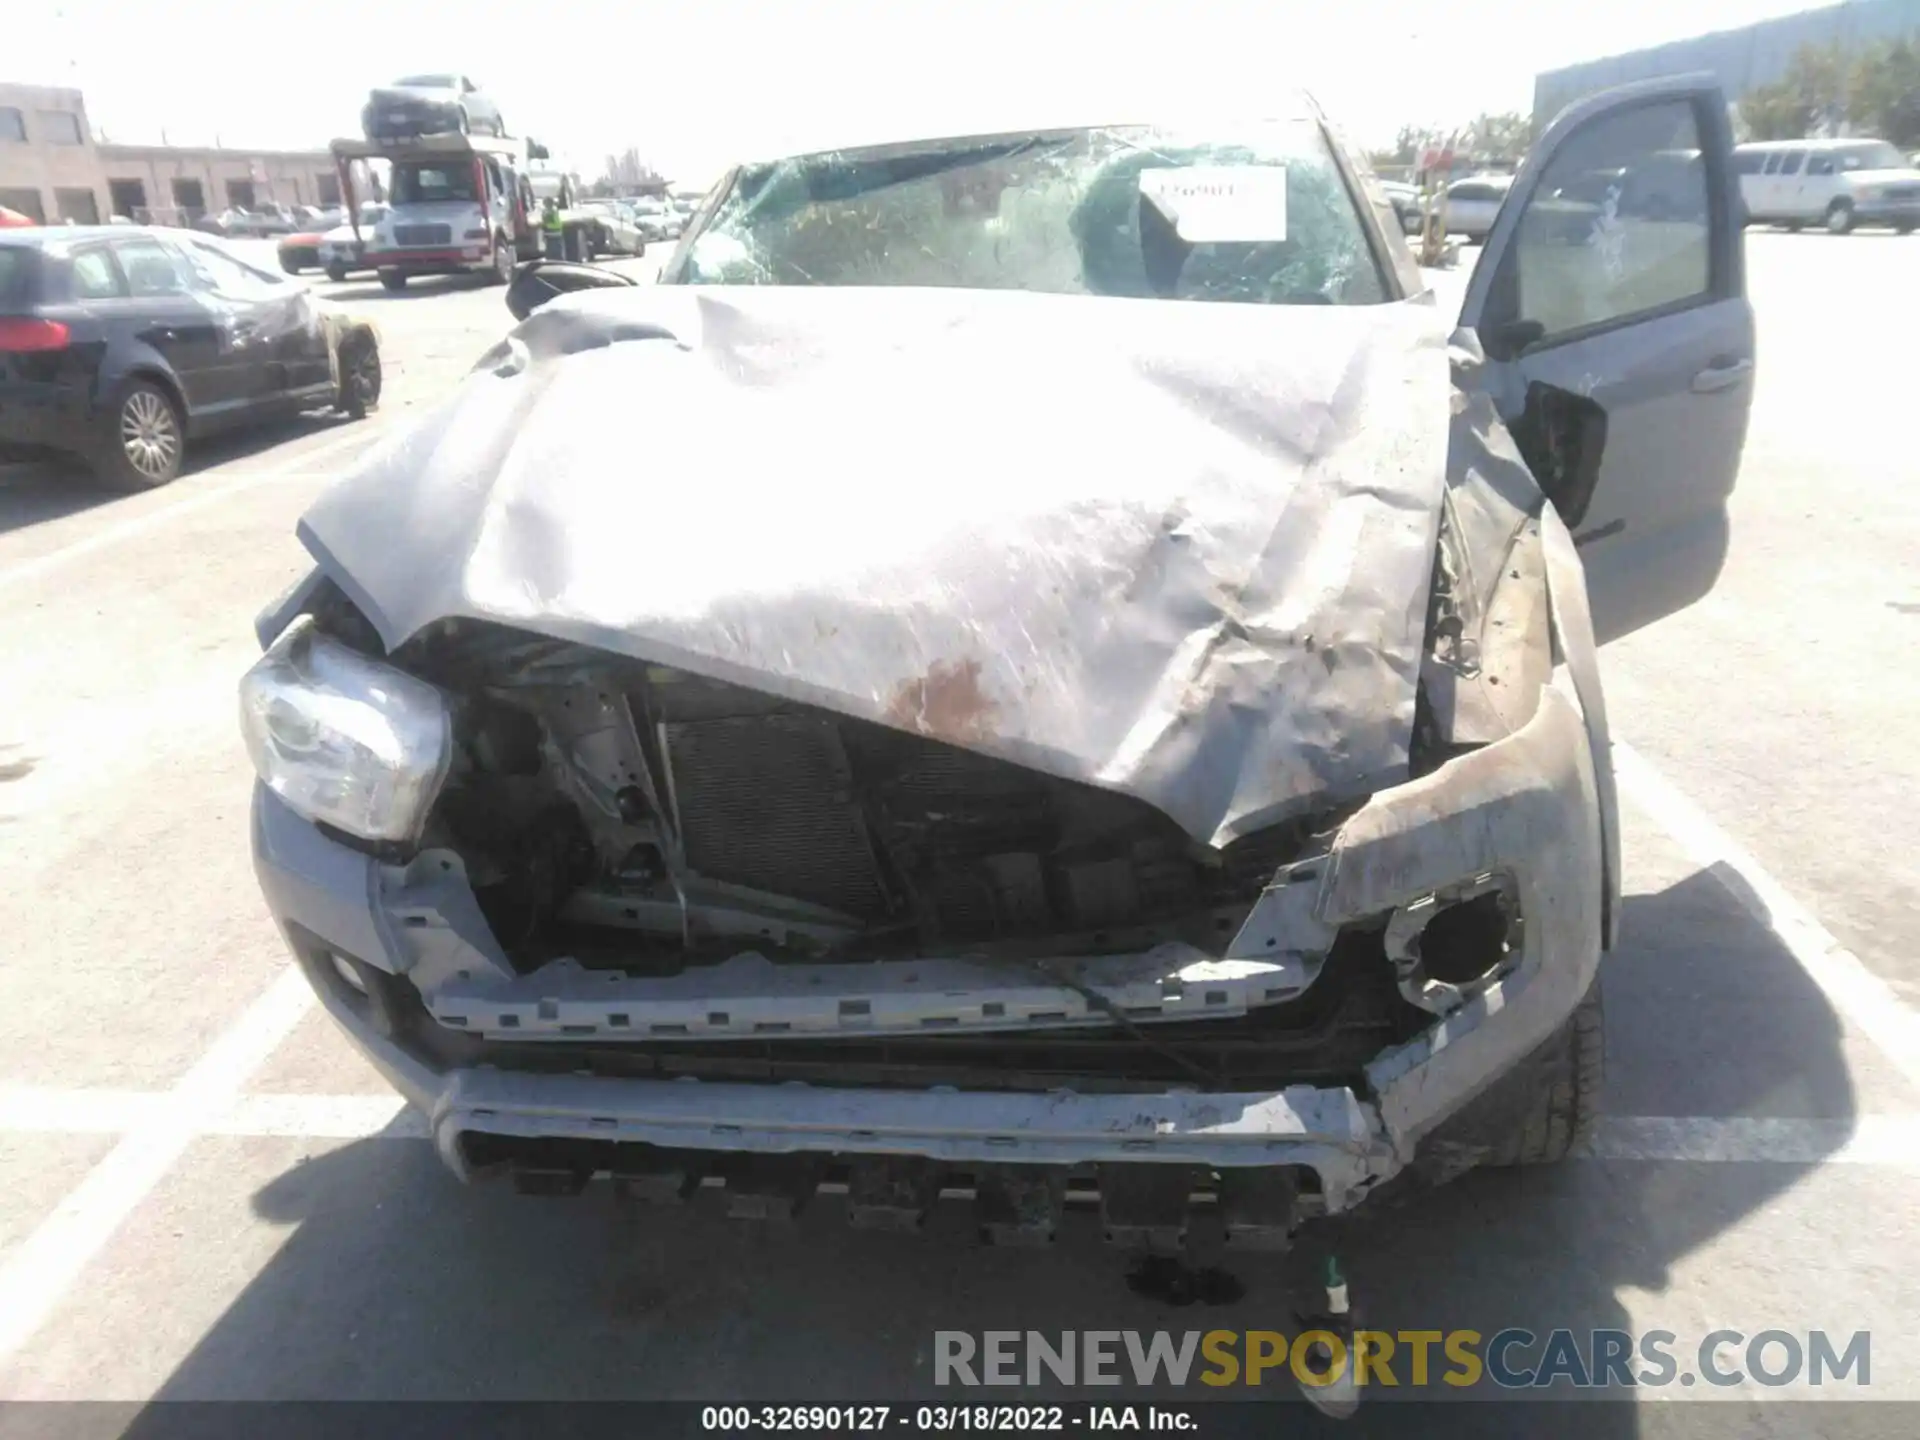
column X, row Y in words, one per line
column 1221, row 204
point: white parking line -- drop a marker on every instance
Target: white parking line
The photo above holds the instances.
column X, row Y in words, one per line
column 198, row 499
column 39, row 1272
column 1861, row 997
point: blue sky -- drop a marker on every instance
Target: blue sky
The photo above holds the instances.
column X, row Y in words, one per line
column 696, row 84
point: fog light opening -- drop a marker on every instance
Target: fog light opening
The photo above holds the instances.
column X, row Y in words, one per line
column 1448, row 946
column 344, row 968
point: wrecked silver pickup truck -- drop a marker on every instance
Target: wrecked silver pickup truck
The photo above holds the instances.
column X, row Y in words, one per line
column 922, row 700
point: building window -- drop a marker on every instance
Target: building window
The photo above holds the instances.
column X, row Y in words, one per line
column 79, row 206
column 129, row 199
column 61, row 127
column 327, row 187
column 26, row 202
column 188, row 195
column 240, row 194
column 13, row 125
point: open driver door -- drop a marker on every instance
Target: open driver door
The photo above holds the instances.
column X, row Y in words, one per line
column 1619, row 339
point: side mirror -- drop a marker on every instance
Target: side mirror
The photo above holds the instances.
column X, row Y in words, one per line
column 538, row 281
column 1511, row 340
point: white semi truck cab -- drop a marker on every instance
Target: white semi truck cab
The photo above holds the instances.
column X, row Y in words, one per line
column 457, row 203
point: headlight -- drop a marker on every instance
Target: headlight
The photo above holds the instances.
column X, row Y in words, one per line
column 344, row 739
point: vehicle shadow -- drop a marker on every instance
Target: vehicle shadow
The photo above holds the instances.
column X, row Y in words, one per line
column 395, row 1282
column 38, row 491
column 357, row 290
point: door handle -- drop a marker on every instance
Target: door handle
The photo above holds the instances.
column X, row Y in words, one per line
column 1723, row 374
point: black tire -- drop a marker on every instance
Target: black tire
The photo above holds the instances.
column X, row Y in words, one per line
column 1570, row 1070
column 360, row 376
column 502, row 272
column 1904, row 227
column 464, row 122
column 1839, row 217
column 337, row 273
column 395, row 280
column 142, row 440
column 1792, row 227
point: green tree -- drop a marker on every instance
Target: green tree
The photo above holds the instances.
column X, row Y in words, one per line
column 1774, row 112
column 1505, row 136
column 1883, row 91
column 1408, row 143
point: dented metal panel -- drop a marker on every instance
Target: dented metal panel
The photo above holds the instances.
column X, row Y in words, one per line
column 1178, row 551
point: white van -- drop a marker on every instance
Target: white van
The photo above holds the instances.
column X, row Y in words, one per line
column 1835, row 183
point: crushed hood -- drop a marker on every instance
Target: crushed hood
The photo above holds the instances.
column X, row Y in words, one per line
column 1181, row 551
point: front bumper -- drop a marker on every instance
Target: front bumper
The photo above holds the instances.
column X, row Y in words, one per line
column 405, row 119
column 447, row 261
column 1526, row 808
column 1886, row 212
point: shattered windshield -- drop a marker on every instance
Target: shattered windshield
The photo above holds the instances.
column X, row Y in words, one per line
column 1261, row 215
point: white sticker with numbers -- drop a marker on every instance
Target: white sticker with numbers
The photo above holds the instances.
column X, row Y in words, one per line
column 1221, row 204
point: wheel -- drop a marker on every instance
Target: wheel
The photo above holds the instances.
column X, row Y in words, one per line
column 142, row 440
column 394, row 279
column 337, row 272
column 502, row 271
column 465, row 124
column 1903, row 227
column 1566, row 1095
column 290, row 265
column 1792, row 227
column 1839, row 218
column 499, row 127
column 359, row 375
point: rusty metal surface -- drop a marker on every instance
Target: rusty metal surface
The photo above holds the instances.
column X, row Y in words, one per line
column 1178, row 550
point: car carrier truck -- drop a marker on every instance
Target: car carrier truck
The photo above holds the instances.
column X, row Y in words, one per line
column 457, row 204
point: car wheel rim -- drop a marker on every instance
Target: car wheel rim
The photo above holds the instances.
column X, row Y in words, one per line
column 148, row 435
column 365, row 377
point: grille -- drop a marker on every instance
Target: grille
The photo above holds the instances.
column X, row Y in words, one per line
column 1903, row 192
column 767, row 802
column 423, row 234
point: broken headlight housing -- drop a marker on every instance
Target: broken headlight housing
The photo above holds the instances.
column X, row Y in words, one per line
column 345, row 740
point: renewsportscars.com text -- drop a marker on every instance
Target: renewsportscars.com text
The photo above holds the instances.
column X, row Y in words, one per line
column 1510, row 1359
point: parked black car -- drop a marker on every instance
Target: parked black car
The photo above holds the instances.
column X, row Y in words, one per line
column 430, row 105
column 121, row 345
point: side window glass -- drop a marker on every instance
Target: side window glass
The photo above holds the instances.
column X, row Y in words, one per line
column 219, row 273
column 1747, row 162
column 1773, row 163
column 1619, row 224
column 1791, row 165
column 152, row 269
column 1819, row 165
column 95, row 277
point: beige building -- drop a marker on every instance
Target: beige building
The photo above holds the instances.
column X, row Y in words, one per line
column 52, row 169
column 49, row 165
column 175, row 185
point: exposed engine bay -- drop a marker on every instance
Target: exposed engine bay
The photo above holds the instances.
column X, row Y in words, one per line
column 655, row 818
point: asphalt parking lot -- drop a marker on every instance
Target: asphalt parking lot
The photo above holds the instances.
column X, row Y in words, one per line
column 204, row 1194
